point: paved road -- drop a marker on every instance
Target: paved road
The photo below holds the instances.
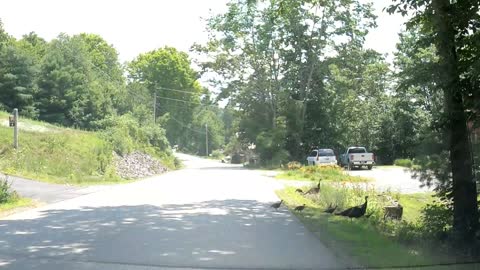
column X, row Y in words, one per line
column 392, row 178
column 207, row 216
column 49, row 193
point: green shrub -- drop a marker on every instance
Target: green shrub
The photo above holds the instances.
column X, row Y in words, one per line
column 217, row 154
column 177, row 163
column 436, row 219
column 6, row 193
column 126, row 135
column 403, row 162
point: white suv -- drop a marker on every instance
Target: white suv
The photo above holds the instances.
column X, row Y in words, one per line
column 321, row 156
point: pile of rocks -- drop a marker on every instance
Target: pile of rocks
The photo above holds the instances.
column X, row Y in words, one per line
column 137, row 165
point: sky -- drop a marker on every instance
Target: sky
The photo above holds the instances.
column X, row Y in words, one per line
column 133, row 27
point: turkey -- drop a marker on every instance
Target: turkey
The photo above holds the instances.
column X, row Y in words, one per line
column 300, row 208
column 356, row 211
column 276, row 205
column 330, row 209
column 314, row 190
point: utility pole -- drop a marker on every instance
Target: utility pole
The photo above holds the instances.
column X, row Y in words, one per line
column 155, row 108
column 206, row 138
column 15, row 128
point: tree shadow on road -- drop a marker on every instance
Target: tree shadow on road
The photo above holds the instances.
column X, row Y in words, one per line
column 224, row 234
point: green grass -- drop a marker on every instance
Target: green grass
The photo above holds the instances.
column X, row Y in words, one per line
column 67, row 156
column 59, row 155
column 413, row 204
column 359, row 239
column 315, row 173
column 14, row 204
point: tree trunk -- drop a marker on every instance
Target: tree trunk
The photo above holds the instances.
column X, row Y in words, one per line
column 464, row 187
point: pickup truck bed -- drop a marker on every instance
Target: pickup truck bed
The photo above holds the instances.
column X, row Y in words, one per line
column 357, row 157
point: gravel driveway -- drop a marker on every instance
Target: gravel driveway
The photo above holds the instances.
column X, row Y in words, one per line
column 392, row 178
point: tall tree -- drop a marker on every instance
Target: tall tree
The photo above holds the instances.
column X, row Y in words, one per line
column 80, row 81
column 18, row 72
column 450, row 23
column 271, row 58
column 167, row 73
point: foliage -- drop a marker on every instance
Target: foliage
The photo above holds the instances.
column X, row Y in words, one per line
column 289, row 94
column 217, row 154
column 403, row 162
column 126, row 135
column 204, row 119
column 6, row 193
column 18, row 72
column 436, row 220
column 79, row 82
column 72, row 156
column 167, row 73
column 65, row 156
column 449, row 27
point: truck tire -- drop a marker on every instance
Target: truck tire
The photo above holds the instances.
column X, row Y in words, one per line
column 350, row 166
column 369, row 167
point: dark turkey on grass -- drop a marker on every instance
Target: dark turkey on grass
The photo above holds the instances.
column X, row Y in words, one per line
column 356, row 211
column 300, row 208
column 330, row 209
column 277, row 204
column 314, row 190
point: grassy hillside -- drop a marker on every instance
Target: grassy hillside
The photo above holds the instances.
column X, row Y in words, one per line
column 54, row 154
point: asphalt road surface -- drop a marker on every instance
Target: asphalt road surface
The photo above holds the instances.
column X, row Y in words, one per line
column 207, row 216
column 46, row 192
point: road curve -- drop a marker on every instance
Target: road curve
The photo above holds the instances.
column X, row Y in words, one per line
column 206, row 216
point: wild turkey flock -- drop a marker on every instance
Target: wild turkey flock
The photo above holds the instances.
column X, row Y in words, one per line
column 352, row 212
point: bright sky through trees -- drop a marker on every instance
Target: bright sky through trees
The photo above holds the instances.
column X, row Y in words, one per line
column 139, row 26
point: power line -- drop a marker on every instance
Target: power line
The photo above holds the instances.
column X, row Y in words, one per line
column 190, row 102
column 176, row 90
column 159, row 87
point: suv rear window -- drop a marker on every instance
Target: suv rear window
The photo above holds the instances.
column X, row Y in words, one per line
column 326, row 153
column 313, row 153
column 357, row 151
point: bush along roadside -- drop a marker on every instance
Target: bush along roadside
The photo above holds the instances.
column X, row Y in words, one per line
column 408, row 163
column 9, row 199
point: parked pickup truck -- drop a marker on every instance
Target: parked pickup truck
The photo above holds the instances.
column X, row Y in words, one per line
column 357, row 157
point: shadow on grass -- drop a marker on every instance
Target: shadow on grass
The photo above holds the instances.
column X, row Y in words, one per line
column 220, row 234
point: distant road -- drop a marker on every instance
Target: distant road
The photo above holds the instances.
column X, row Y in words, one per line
column 207, row 216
